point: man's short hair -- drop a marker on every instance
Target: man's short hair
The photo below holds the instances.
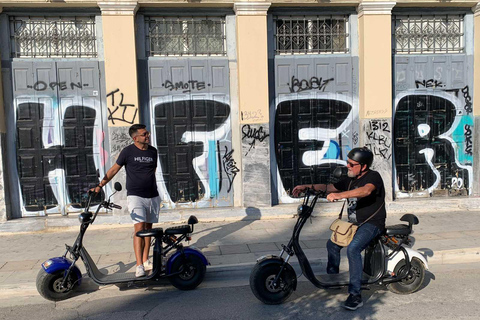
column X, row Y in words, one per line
column 133, row 129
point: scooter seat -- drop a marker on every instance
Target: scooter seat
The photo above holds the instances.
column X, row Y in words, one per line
column 178, row 230
column 155, row 232
column 398, row 229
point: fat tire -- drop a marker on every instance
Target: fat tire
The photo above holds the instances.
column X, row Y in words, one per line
column 188, row 280
column 258, row 283
column 413, row 281
column 46, row 283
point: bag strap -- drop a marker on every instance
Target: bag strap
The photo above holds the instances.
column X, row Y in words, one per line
column 372, row 214
column 341, row 212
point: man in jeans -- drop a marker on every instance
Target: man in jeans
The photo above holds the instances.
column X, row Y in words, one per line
column 140, row 161
column 365, row 193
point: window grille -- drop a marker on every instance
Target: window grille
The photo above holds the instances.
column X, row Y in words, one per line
column 429, row 34
column 311, row 35
column 49, row 37
column 185, row 36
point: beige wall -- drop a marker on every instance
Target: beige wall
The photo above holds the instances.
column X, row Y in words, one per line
column 120, row 68
column 476, row 64
column 252, row 68
column 375, row 53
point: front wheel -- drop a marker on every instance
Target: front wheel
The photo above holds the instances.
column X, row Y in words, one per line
column 263, row 287
column 191, row 271
column 414, row 279
column 49, row 285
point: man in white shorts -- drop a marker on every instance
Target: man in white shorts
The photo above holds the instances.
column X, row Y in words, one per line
column 140, row 161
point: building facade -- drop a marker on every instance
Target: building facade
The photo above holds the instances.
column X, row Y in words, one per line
column 244, row 99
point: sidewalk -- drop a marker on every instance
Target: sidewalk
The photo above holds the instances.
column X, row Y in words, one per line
column 443, row 236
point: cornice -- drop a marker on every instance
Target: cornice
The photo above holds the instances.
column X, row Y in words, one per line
column 475, row 9
column 251, row 8
column 118, row 8
column 375, row 7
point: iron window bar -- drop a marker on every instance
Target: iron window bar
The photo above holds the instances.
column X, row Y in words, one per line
column 51, row 37
column 311, row 34
column 429, row 34
column 185, row 36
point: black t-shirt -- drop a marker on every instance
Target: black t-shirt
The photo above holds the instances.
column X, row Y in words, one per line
column 361, row 209
column 140, row 166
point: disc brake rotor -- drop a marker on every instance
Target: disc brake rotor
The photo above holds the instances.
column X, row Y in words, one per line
column 270, row 286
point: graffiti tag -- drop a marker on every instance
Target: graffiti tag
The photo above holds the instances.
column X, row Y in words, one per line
column 313, row 84
column 118, row 112
column 252, row 115
column 468, row 100
column 430, row 83
column 230, row 167
column 378, row 138
column 62, row 85
column 186, row 86
column 468, row 139
column 254, row 134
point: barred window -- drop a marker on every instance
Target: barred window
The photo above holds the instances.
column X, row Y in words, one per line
column 49, row 37
column 185, row 36
column 429, row 34
column 311, row 35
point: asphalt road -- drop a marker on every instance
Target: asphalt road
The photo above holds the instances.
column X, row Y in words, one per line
column 449, row 292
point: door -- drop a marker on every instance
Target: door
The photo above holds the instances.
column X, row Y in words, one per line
column 59, row 133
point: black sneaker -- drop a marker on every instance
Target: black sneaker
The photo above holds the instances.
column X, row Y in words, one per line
column 353, row 302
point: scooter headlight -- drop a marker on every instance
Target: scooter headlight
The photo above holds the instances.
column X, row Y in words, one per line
column 47, row 264
column 85, row 217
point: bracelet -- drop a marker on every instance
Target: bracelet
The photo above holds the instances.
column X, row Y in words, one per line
column 100, row 186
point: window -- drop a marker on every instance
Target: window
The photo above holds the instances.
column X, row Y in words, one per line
column 185, row 36
column 429, row 34
column 49, row 37
column 311, row 35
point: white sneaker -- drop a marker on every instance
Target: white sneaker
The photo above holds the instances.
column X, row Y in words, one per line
column 147, row 265
column 140, row 271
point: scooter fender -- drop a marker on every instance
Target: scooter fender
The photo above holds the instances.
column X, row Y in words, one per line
column 53, row 265
column 188, row 251
column 272, row 259
column 399, row 256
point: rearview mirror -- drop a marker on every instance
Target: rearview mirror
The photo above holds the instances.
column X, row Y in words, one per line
column 340, row 172
column 117, row 186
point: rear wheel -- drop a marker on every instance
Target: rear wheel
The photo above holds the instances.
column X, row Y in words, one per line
column 414, row 279
column 263, row 287
column 49, row 285
column 191, row 271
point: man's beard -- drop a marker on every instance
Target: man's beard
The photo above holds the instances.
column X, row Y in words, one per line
column 350, row 174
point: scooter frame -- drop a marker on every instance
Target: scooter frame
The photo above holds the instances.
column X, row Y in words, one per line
column 169, row 237
column 385, row 250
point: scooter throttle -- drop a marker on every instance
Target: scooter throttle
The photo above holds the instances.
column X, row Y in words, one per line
column 116, row 206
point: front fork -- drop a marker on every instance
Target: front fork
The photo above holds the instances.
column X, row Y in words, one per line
column 290, row 253
column 69, row 270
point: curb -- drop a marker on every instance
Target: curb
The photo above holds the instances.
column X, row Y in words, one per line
column 456, row 256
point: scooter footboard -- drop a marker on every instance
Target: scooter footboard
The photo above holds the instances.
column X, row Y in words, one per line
column 399, row 256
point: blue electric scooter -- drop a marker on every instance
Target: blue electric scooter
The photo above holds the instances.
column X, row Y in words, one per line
column 185, row 268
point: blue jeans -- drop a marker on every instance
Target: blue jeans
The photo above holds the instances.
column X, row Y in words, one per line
column 362, row 238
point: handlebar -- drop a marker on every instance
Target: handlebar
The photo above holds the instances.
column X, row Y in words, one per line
column 115, row 206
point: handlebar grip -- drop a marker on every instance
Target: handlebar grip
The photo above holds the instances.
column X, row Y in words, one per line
column 116, row 206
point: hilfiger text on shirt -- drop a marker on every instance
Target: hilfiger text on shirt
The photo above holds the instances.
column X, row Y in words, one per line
column 143, row 159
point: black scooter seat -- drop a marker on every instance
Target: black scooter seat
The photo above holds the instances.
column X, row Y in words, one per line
column 178, row 230
column 398, row 229
column 155, row 232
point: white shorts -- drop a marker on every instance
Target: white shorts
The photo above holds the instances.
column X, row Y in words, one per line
column 143, row 209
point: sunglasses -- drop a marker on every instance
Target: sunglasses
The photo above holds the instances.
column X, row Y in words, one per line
column 351, row 165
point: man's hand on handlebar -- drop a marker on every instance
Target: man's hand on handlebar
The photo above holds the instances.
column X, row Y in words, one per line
column 334, row 197
column 95, row 190
column 299, row 189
